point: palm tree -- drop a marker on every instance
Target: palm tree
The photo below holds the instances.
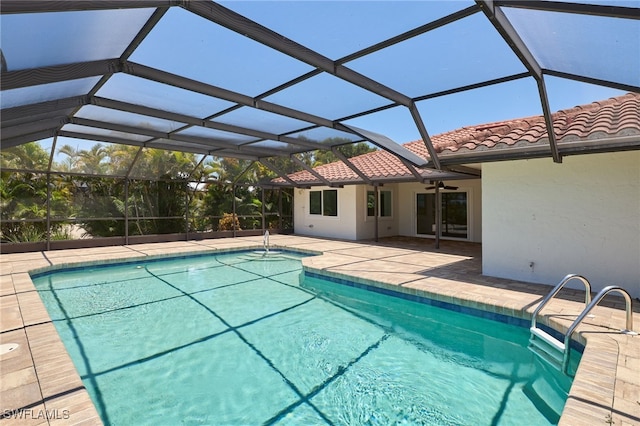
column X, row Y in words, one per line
column 91, row 161
column 28, row 156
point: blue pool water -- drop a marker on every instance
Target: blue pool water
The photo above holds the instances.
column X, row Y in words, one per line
column 238, row 339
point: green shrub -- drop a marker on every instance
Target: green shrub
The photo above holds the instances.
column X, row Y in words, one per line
column 228, row 221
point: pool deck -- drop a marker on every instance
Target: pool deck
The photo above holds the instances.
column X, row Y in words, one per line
column 39, row 384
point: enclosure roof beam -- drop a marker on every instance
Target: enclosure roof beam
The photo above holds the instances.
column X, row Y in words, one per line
column 218, row 92
column 33, row 127
column 56, row 73
column 574, row 8
column 248, row 28
column 33, row 6
column 204, row 157
column 465, row 170
column 278, row 172
column 206, row 150
column 100, row 138
column 193, row 148
column 512, row 38
column 310, row 170
column 31, row 110
column 135, row 160
column 182, row 118
column 148, row 26
column 28, row 137
column 118, row 127
column 455, row 16
column 349, row 164
column 596, row 81
column 426, row 139
column 548, row 120
column 235, row 181
column 416, row 174
column 433, row 25
column 209, row 142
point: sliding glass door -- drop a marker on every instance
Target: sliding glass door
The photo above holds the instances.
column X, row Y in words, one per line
column 454, row 214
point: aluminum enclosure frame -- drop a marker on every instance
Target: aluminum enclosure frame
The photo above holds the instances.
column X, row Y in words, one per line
column 40, row 120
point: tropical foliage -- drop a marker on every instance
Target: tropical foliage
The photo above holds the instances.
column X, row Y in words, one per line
column 92, row 190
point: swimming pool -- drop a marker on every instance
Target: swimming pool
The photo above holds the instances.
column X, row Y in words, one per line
column 238, row 339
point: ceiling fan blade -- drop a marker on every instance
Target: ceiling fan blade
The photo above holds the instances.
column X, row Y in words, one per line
column 441, row 185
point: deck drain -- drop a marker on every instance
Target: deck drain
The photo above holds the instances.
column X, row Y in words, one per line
column 8, row 347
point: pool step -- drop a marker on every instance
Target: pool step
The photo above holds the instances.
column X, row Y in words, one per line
column 547, row 347
column 264, row 257
column 548, row 400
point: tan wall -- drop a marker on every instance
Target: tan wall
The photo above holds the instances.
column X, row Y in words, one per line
column 341, row 226
column 544, row 220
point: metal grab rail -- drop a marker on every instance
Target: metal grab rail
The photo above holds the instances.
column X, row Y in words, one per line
column 596, row 300
column 557, row 288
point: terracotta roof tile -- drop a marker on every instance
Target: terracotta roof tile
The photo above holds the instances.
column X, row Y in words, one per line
column 618, row 116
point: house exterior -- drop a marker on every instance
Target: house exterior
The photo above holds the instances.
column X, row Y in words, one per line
column 537, row 220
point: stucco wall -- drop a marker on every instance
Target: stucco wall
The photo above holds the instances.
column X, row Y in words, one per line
column 341, row 226
column 543, row 220
column 407, row 200
column 387, row 226
column 352, row 221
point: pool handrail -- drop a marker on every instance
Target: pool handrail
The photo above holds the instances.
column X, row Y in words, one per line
column 596, row 300
column 556, row 289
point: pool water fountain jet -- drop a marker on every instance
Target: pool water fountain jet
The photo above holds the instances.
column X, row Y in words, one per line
column 265, row 242
column 266, row 252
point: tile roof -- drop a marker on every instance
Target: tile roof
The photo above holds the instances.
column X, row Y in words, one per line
column 614, row 117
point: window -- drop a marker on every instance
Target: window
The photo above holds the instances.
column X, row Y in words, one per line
column 315, row 202
column 323, row 202
column 330, row 202
column 385, row 203
column 454, row 214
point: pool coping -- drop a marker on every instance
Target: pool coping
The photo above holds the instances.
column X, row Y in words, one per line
column 45, row 381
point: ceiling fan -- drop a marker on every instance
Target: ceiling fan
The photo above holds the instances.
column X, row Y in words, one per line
column 441, row 185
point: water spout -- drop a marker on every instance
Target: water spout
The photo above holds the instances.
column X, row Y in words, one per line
column 265, row 242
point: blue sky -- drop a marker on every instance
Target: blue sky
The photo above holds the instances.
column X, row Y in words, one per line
column 463, row 53
column 466, row 52
column 495, row 103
